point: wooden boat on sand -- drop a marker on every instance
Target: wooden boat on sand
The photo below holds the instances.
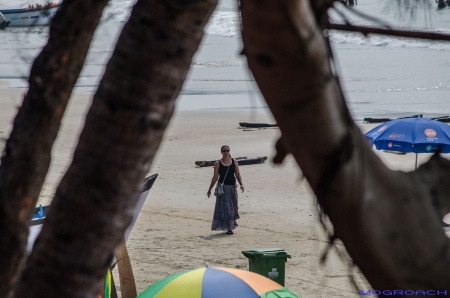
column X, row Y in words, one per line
column 242, row 161
column 445, row 119
column 41, row 212
column 256, row 125
column 126, row 277
column 210, row 163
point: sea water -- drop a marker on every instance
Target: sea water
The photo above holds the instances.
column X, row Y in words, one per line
column 382, row 76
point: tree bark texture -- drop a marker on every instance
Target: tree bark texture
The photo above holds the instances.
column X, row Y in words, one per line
column 26, row 157
column 94, row 202
column 386, row 219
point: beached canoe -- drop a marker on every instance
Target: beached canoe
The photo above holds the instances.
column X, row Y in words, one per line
column 252, row 161
column 41, row 212
column 445, row 119
column 24, row 17
column 242, row 161
column 376, row 120
column 256, row 125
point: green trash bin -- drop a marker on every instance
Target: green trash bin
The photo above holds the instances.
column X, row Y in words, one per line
column 269, row 262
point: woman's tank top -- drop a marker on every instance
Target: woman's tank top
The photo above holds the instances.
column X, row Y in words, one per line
column 230, row 179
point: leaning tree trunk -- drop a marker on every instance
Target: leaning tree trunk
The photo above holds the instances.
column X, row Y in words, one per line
column 94, row 203
column 26, row 158
column 385, row 218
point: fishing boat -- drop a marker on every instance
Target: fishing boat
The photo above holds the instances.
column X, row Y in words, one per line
column 40, row 213
column 30, row 16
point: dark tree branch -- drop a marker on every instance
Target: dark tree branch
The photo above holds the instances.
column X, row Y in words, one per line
column 135, row 100
column 26, row 157
column 400, row 33
column 386, row 219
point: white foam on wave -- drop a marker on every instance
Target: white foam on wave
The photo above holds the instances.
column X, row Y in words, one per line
column 215, row 64
column 340, row 37
column 225, row 21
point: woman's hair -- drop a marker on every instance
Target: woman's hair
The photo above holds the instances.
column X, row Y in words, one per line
column 221, row 148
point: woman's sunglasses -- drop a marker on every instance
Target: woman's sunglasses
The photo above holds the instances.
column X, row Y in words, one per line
column 225, row 150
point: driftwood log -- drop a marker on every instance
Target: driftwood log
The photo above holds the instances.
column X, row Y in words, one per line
column 210, row 163
column 242, row 161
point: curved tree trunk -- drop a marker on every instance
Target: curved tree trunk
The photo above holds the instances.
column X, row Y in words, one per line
column 26, row 158
column 94, row 203
column 387, row 220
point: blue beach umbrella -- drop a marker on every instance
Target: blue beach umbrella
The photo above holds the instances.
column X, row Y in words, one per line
column 417, row 135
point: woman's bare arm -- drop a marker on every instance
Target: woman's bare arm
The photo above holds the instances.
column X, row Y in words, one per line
column 214, row 178
column 238, row 175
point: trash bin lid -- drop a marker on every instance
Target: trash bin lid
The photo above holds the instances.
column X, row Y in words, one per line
column 266, row 253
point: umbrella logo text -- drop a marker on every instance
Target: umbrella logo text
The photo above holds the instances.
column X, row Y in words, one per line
column 382, row 128
column 396, row 136
column 431, row 133
column 390, row 144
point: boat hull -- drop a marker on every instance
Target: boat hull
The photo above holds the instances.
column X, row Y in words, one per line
column 27, row 18
column 40, row 214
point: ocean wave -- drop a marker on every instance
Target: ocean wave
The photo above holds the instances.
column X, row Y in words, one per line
column 206, row 64
column 225, row 21
column 355, row 38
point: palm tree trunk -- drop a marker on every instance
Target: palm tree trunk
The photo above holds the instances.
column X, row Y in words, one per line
column 26, row 157
column 385, row 219
column 94, row 202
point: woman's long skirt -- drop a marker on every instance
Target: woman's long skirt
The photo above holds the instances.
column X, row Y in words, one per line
column 225, row 212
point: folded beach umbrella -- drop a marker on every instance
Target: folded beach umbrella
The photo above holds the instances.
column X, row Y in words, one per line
column 217, row 283
column 417, row 135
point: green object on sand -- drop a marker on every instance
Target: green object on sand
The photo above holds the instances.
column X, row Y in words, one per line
column 269, row 262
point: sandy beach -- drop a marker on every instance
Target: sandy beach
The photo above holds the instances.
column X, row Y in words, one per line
column 173, row 234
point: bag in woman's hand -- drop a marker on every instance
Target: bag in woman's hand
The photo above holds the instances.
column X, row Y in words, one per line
column 218, row 191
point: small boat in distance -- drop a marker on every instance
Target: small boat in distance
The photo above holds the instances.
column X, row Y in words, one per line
column 39, row 15
column 255, row 125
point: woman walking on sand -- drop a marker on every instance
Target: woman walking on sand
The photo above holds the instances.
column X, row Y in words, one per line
column 226, row 170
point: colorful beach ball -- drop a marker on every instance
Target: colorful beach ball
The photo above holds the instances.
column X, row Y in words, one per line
column 217, row 282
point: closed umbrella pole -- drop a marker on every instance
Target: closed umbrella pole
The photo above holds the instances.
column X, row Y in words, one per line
column 416, row 161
